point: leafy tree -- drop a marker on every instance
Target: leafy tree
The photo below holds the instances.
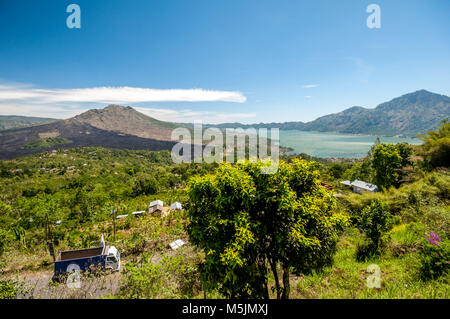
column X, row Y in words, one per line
column 374, row 222
column 386, row 162
column 405, row 150
column 337, row 170
column 5, row 239
column 361, row 170
column 249, row 223
column 145, row 186
column 436, row 146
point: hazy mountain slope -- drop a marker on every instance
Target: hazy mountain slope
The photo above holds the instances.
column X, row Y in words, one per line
column 409, row 114
column 11, row 121
column 115, row 126
column 126, row 120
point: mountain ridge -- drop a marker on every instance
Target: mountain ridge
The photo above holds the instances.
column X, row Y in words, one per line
column 123, row 127
column 409, row 114
column 114, row 126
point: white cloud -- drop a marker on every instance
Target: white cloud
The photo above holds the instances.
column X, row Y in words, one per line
column 189, row 116
column 308, row 96
column 123, row 94
column 310, row 86
column 24, row 100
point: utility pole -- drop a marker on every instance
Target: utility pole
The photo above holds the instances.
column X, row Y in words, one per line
column 50, row 245
column 114, row 220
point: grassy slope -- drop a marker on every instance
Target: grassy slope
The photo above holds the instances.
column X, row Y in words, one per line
column 423, row 202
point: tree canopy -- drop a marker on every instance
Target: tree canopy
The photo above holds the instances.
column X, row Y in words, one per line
column 436, row 146
column 249, row 223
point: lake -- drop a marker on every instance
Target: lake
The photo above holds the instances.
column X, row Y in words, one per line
column 325, row 144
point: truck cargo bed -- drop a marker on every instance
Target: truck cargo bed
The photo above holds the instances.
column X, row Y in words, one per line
column 81, row 253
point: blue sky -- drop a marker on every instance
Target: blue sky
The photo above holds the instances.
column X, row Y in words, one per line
column 220, row 61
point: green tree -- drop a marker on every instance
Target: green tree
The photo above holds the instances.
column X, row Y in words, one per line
column 436, row 146
column 5, row 240
column 249, row 223
column 374, row 222
column 361, row 170
column 386, row 162
column 145, row 186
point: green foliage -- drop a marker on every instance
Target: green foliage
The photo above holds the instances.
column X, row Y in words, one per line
column 5, row 239
column 434, row 257
column 244, row 220
column 8, row 289
column 374, row 222
column 161, row 277
column 386, row 162
column 337, row 170
column 46, row 142
column 361, row 170
column 145, row 186
column 436, row 146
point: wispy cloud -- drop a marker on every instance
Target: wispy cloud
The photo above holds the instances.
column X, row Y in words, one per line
column 123, row 94
column 18, row 99
column 188, row 116
column 310, row 86
column 308, row 96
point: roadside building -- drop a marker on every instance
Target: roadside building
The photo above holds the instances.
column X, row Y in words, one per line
column 360, row 187
column 155, row 206
column 176, row 206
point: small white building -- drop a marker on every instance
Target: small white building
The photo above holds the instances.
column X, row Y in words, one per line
column 177, row 244
column 176, row 206
column 155, row 206
column 360, row 187
column 138, row 213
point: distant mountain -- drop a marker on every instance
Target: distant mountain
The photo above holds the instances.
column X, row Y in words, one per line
column 125, row 120
column 114, row 126
column 409, row 114
column 125, row 128
column 11, row 121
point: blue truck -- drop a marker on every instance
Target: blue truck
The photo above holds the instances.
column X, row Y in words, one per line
column 103, row 257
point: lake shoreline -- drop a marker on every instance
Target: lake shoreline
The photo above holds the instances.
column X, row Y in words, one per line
column 335, row 145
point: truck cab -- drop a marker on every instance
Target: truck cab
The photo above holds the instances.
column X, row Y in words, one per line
column 112, row 259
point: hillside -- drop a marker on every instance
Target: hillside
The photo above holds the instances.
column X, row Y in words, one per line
column 114, row 126
column 409, row 114
column 84, row 184
column 12, row 121
column 125, row 120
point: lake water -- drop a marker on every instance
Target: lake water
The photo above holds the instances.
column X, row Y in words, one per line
column 320, row 144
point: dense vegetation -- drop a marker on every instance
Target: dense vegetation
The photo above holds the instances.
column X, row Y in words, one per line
column 248, row 234
column 46, row 142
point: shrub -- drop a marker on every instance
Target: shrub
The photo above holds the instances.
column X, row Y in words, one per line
column 8, row 289
column 5, row 239
column 161, row 277
column 375, row 220
column 434, row 257
column 436, row 146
